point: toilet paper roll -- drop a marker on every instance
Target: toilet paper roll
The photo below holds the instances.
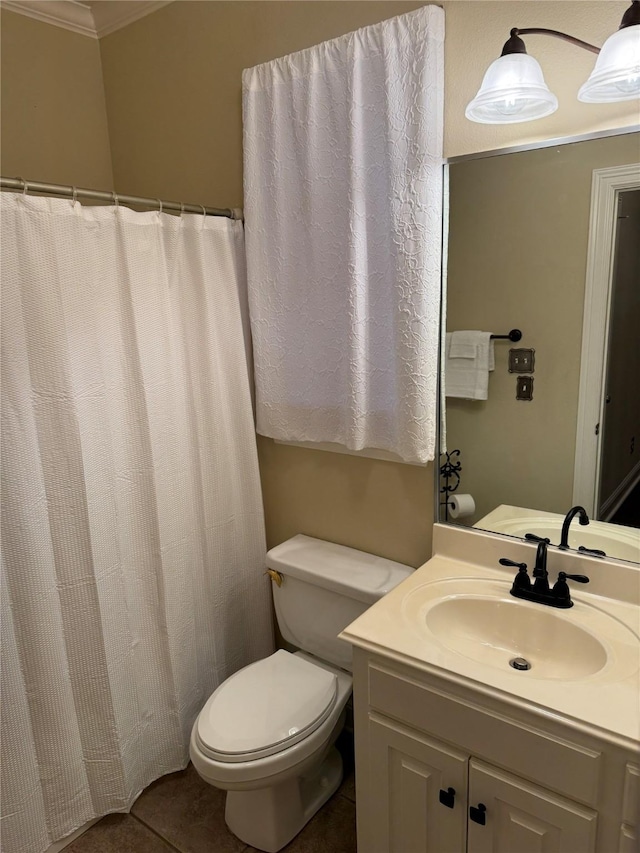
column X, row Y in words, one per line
column 460, row 506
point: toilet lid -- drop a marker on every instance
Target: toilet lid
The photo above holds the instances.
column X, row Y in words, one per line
column 265, row 708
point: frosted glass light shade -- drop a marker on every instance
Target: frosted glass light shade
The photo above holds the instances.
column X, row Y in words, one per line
column 513, row 90
column 616, row 76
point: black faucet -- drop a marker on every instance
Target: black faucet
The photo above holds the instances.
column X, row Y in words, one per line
column 583, row 518
column 539, row 590
column 539, row 573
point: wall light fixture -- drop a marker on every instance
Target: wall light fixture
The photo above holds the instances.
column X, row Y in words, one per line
column 513, row 88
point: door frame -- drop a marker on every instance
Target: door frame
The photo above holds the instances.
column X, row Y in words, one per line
column 606, row 185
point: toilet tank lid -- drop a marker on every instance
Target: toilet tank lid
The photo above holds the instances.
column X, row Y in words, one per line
column 347, row 571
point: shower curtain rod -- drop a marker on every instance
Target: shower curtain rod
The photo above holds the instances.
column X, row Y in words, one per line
column 115, row 198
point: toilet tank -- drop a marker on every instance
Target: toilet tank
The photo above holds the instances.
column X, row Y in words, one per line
column 325, row 587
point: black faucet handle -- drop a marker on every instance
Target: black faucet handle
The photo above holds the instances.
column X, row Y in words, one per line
column 505, row 561
column 561, row 591
column 522, row 581
column 592, row 552
column 577, row 578
column 533, row 538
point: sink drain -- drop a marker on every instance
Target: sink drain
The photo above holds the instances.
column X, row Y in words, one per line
column 520, row 663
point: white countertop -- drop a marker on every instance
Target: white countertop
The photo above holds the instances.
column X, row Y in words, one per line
column 605, row 703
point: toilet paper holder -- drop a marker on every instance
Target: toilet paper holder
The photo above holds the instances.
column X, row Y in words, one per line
column 450, row 473
column 455, row 506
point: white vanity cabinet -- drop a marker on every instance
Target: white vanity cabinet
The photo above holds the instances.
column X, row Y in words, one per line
column 431, row 753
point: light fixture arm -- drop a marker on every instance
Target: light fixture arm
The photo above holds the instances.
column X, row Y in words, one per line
column 516, row 45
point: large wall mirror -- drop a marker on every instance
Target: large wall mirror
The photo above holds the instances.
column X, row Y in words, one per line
column 519, row 237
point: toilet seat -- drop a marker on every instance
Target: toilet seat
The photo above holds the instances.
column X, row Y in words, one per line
column 265, row 708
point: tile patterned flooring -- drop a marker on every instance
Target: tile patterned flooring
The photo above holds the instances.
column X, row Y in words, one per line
column 180, row 813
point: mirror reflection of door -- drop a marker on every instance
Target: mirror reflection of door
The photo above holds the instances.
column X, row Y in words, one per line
column 620, row 427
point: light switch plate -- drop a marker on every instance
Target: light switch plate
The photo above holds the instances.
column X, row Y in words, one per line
column 522, row 360
column 524, row 388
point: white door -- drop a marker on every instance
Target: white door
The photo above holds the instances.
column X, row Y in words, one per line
column 418, row 790
column 522, row 818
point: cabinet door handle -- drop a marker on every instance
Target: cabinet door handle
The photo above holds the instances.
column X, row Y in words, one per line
column 479, row 814
column 448, row 797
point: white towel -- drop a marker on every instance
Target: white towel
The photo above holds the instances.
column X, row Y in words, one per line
column 469, row 360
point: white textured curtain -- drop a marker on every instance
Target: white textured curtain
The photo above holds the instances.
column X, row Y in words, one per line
column 132, row 527
column 343, row 211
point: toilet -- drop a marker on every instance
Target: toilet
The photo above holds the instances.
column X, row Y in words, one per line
column 267, row 734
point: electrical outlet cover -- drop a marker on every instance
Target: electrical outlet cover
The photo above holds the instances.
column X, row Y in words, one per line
column 524, row 388
column 522, row 360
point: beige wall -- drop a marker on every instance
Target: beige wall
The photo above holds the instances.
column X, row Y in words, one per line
column 381, row 507
column 519, row 228
column 54, row 121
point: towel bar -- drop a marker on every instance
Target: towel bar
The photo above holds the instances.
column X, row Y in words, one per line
column 514, row 335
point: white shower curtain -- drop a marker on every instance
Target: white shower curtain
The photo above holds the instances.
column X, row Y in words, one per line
column 343, row 207
column 132, row 527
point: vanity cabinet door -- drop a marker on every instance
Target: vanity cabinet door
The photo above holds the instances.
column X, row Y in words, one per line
column 628, row 840
column 630, row 810
column 523, row 817
column 408, row 771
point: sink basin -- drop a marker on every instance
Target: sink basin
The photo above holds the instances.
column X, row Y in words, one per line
column 480, row 620
column 496, row 631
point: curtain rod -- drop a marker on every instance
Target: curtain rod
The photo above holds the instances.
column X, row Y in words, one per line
column 115, row 198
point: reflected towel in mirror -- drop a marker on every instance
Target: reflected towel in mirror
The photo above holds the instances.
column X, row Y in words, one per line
column 469, row 358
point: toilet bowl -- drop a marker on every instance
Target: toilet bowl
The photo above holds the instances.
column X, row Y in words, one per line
column 267, row 734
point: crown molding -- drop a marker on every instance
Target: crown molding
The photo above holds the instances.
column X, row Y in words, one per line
column 112, row 16
column 68, row 14
column 93, row 19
